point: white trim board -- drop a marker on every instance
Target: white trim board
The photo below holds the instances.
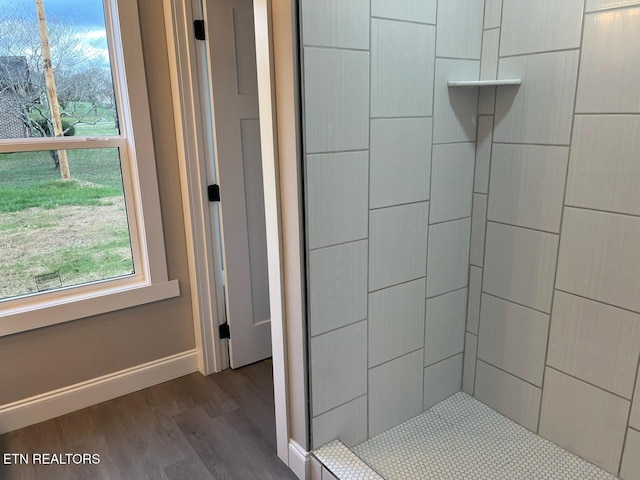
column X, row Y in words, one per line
column 299, row 460
column 91, row 392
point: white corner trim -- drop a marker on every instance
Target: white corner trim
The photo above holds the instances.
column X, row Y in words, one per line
column 299, row 460
column 91, row 392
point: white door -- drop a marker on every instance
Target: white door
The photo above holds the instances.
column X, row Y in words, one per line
column 232, row 58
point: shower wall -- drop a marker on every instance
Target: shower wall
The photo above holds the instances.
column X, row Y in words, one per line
column 553, row 324
column 389, row 172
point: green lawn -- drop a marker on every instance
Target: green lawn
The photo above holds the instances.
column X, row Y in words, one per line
column 77, row 228
column 29, row 179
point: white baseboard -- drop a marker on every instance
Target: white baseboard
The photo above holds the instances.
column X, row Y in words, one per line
column 299, row 460
column 85, row 394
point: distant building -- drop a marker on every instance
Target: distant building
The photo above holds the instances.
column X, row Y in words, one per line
column 14, row 77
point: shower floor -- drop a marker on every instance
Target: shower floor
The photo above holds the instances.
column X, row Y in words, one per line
column 460, row 438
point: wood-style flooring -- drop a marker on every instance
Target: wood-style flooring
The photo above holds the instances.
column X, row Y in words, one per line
column 191, row 428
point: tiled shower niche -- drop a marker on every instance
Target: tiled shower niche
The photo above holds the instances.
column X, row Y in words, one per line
column 475, row 239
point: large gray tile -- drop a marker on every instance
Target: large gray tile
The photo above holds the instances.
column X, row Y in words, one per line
column 338, row 367
column 337, row 286
column 478, row 229
column 520, row 265
column 595, row 342
column 539, row 111
column 445, row 326
column 448, row 263
column 336, row 100
column 492, row 13
column 583, row 419
column 347, row 423
column 527, row 185
column 604, row 171
column 475, row 293
column 402, row 56
column 513, row 338
column 397, row 244
column 442, row 380
column 489, row 61
column 540, row 26
column 336, row 23
column 483, row 153
column 512, row 397
column 337, row 198
column 631, row 458
column 395, row 392
column 594, row 5
column 400, row 310
column 469, row 369
column 452, row 185
column 460, row 28
column 423, row 11
column 455, row 110
column 610, row 42
column 400, row 161
column 600, row 258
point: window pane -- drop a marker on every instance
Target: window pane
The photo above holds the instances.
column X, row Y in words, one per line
column 57, row 233
column 81, row 70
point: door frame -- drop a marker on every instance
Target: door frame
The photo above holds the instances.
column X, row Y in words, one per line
column 278, row 95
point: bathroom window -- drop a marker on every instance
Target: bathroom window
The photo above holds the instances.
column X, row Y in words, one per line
column 79, row 213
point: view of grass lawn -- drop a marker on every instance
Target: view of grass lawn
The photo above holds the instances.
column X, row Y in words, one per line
column 77, row 228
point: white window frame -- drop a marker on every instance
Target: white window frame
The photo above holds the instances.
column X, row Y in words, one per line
column 150, row 281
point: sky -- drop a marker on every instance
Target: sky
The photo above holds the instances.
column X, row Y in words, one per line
column 86, row 15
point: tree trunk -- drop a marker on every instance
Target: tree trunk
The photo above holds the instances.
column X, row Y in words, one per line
column 52, row 94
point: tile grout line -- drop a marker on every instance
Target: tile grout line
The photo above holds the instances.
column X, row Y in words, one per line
column 557, row 234
column 341, row 244
column 515, row 303
column 375, row 209
column 369, row 215
column 595, row 300
column 486, row 221
column 338, row 406
column 597, row 210
column 331, row 47
column 564, row 199
column 473, row 205
column 468, row 217
column 433, row 123
column 444, row 360
column 621, row 397
column 395, row 358
column 446, row 293
column 350, row 324
column 402, row 20
column 541, row 52
column 486, row 362
column 628, row 426
column 395, row 285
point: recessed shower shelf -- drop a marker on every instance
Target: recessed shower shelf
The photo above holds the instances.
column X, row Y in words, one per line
column 484, row 83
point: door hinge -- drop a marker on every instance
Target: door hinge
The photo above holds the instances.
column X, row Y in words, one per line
column 213, row 192
column 198, row 29
column 225, row 332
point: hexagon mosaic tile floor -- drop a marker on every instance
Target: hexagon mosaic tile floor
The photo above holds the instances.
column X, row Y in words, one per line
column 463, row 439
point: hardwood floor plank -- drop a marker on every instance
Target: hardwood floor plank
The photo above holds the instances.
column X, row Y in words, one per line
column 195, row 427
column 188, row 469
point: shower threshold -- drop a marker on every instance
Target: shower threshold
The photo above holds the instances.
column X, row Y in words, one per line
column 459, row 438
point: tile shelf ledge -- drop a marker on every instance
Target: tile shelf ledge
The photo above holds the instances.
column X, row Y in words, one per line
column 484, row 83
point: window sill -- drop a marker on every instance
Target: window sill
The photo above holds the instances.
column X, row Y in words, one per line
column 38, row 314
